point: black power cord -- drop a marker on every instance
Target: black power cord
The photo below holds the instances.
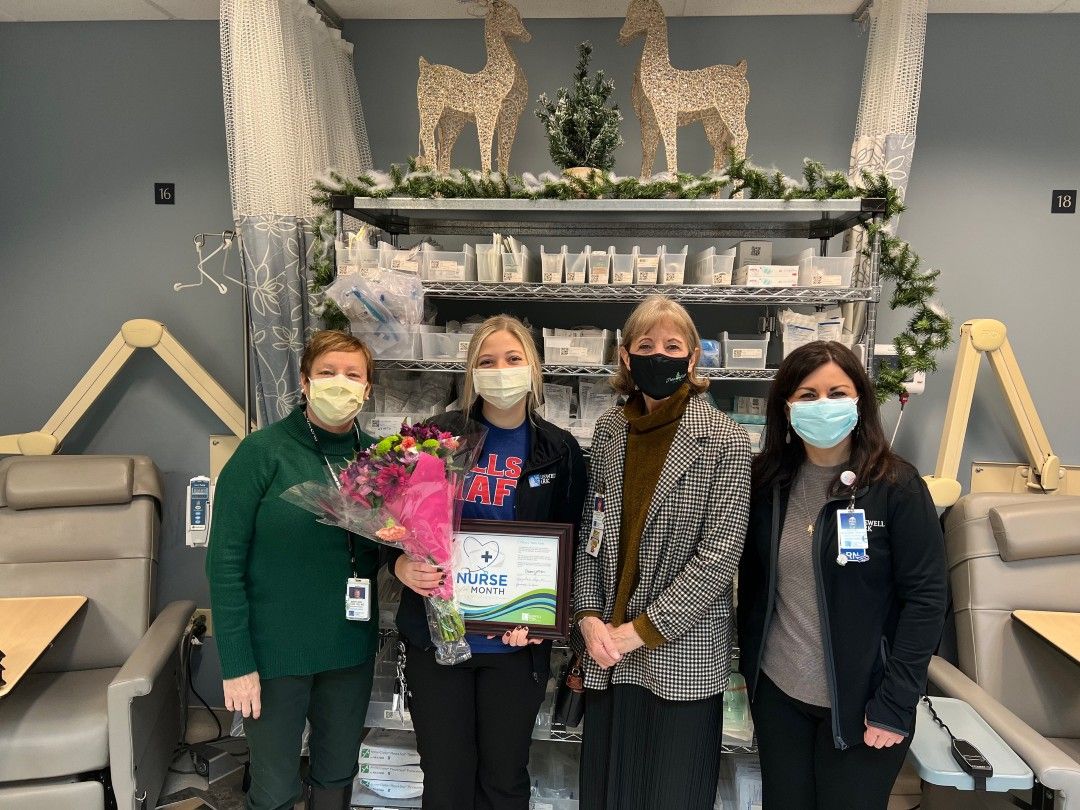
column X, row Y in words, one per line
column 967, row 756
column 193, row 635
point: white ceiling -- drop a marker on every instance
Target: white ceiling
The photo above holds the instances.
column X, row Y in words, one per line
column 57, row 10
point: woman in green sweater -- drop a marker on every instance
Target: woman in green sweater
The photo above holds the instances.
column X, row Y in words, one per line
column 278, row 584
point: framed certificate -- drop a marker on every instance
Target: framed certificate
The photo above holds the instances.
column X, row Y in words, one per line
column 511, row 574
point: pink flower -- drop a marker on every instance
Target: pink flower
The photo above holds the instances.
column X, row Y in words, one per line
column 450, row 443
column 390, row 479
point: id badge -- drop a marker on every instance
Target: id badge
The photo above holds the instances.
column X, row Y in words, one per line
column 358, row 600
column 852, row 539
column 596, row 534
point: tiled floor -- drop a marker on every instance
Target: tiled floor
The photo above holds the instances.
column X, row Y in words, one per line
column 226, row 794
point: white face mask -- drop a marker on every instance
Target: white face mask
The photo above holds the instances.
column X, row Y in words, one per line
column 336, row 400
column 503, row 387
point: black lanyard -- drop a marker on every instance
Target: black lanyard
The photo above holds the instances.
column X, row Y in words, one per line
column 350, row 543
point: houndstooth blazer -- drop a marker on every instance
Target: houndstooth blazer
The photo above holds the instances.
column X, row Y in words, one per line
column 687, row 559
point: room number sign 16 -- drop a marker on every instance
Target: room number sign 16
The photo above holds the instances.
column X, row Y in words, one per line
column 1063, row 201
column 164, row 193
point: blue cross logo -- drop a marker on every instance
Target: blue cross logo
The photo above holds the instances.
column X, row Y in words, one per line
column 486, row 557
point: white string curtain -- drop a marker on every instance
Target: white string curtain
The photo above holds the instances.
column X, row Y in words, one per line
column 292, row 112
column 888, row 109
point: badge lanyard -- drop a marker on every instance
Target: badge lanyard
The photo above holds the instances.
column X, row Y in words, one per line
column 350, row 544
column 852, row 540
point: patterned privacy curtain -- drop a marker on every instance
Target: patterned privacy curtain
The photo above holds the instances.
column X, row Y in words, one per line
column 292, row 112
column 888, row 110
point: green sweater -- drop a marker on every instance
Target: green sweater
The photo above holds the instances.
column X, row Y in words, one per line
column 277, row 577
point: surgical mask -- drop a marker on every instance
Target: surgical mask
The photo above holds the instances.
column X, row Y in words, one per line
column 824, row 423
column 503, row 388
column 336, row 400
column 658, row 375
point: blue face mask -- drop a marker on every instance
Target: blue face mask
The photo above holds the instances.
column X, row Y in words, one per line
column 824, row 423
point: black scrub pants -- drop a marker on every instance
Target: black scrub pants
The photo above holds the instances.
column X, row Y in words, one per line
column 473, row 724
column 335, row 703
column 801, row 769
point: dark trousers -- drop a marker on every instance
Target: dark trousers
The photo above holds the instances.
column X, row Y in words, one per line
column 473, row 724
column 641, row 752
column 801, row 769
column 335, row 703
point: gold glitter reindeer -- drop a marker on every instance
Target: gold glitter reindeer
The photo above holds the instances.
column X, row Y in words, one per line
column 666, row 98
column 494, row 98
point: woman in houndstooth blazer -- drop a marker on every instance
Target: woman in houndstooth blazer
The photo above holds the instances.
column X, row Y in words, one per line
column 664, row 526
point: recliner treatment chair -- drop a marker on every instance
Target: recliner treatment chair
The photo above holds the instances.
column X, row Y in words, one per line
column 1017, row 552
column 101, row 708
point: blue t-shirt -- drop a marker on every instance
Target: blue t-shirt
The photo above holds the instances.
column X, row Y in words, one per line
column 490, row 492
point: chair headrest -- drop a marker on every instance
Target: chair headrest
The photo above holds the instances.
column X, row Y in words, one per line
column 42, row 482
column 1046, row 527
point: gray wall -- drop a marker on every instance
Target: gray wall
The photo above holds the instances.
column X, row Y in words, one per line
column 91, row 115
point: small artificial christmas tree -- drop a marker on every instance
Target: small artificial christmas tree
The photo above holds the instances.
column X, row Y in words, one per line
column 582, row 130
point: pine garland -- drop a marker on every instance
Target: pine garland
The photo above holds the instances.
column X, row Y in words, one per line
column 582, row 129
column 927, row 333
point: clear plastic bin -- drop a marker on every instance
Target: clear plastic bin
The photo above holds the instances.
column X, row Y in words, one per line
column 552, row 265
column 744, row 351
column 672, row 267
column 488, row 264
column 712, row 268
column 577, row 266
column 359, row 259
column 407, row 349
column 622, row 268
column 600, row 266
column 576, row 351
column 646, row 269
column 409, row 260
column 443, row 265
column 520, row 268
column 445, row 345
column 825, row 271
column 766, row 275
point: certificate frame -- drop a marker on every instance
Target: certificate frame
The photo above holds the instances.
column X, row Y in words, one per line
column 523, row 534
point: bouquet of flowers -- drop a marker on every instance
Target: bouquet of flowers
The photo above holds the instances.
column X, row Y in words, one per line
column 403, row 492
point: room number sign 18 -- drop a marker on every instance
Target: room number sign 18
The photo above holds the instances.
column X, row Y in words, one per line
column 1063, row 201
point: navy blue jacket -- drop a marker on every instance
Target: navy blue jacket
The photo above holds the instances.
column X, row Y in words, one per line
column 881, row 619
column 556, row 500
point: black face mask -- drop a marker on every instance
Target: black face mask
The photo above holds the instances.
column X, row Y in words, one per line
column 658, row 375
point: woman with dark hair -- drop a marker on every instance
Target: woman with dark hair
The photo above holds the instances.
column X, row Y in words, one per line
column 842, row 590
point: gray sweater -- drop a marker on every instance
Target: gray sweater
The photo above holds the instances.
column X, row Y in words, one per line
column 794, row 658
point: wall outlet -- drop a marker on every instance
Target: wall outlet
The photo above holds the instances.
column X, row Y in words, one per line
column 205, row 613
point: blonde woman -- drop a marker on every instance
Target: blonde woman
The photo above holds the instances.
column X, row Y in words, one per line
column 474, row 721
column 669, row 492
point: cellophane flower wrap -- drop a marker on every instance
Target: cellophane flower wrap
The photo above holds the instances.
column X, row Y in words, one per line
column 404, row 492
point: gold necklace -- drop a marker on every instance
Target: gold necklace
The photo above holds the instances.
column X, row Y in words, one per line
column 809, row 518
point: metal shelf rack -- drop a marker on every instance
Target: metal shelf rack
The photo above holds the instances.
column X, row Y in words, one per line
column 685, row 293
column 553, row 370
column 704, row 219
column 666, row 219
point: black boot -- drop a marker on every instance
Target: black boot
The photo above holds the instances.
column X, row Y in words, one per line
column 329, row 798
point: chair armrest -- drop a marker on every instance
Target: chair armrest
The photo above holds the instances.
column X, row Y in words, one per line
column 1052, row 766
column 144, row 710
